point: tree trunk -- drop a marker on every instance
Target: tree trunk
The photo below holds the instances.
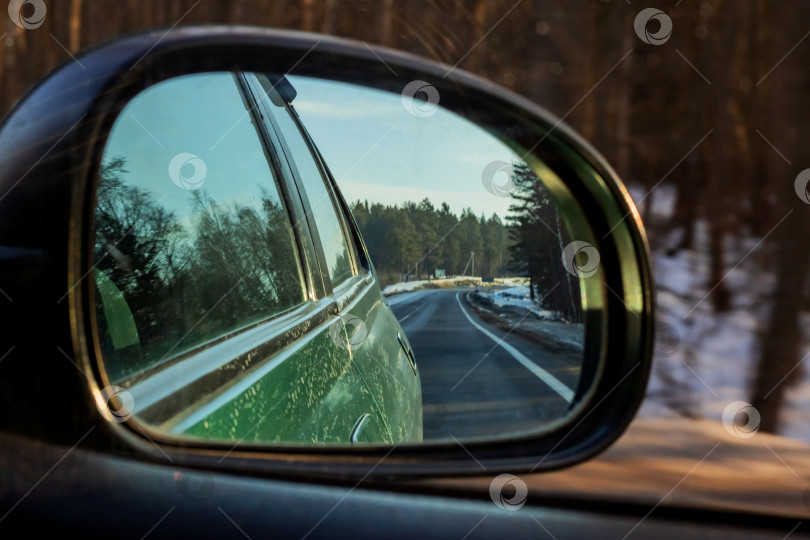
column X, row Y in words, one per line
column 780, row 360
column 781, row 342
column 75, row 25
column 386, row 23
column 308, row 15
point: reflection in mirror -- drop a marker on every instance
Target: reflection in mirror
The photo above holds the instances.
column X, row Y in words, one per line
column 354, row 267
column 468, row 246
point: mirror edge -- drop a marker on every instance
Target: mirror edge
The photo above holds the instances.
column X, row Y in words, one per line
column 216, row 48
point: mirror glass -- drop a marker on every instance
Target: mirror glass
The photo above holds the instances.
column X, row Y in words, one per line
column 308, row 261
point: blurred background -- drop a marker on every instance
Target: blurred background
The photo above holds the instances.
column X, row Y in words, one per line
column 701, row 107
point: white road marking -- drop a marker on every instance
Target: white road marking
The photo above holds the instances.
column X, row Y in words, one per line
column 553, row 382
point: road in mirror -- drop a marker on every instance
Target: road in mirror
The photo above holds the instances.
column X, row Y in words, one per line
column 314, row 262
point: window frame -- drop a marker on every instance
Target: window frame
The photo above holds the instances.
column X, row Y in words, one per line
column 306, row 243
column 356, row 243
column 344, row 292
column 352, row 288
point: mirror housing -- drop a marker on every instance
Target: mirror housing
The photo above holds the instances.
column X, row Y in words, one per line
column 51, row 143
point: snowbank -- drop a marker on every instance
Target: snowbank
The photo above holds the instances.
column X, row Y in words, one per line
column 519, row 299
column 406, row 286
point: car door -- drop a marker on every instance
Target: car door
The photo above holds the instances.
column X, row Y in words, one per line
column 210, row 305
column 375, row 340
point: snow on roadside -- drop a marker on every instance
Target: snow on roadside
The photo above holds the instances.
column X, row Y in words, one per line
column 515, row 307
column 405, row 286
column 518, row 297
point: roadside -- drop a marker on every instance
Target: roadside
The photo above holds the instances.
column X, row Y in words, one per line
column 527, row 321
column 444, row 283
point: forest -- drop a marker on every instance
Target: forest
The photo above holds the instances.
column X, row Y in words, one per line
column 413, row 240
column 184, row 285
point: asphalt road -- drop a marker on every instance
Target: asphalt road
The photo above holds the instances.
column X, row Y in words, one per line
column 479, row 379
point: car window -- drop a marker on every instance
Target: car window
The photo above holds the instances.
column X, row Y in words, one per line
column 321, row 202
column 193, row 239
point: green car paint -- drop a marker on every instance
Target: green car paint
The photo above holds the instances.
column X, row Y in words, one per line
column 386, row 369
column 314, row 391
column 321, row 390
column 315, row 395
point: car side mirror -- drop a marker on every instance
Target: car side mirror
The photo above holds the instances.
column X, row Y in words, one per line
column 274, row 239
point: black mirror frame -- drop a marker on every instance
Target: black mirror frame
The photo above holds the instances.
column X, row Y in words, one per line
column 111, row 73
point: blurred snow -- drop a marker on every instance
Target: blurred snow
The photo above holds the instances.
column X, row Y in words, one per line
column 705, row 360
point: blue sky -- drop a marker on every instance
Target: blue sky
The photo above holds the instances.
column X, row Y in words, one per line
column 375, row 148
column 379, row 152
column 178, row 117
